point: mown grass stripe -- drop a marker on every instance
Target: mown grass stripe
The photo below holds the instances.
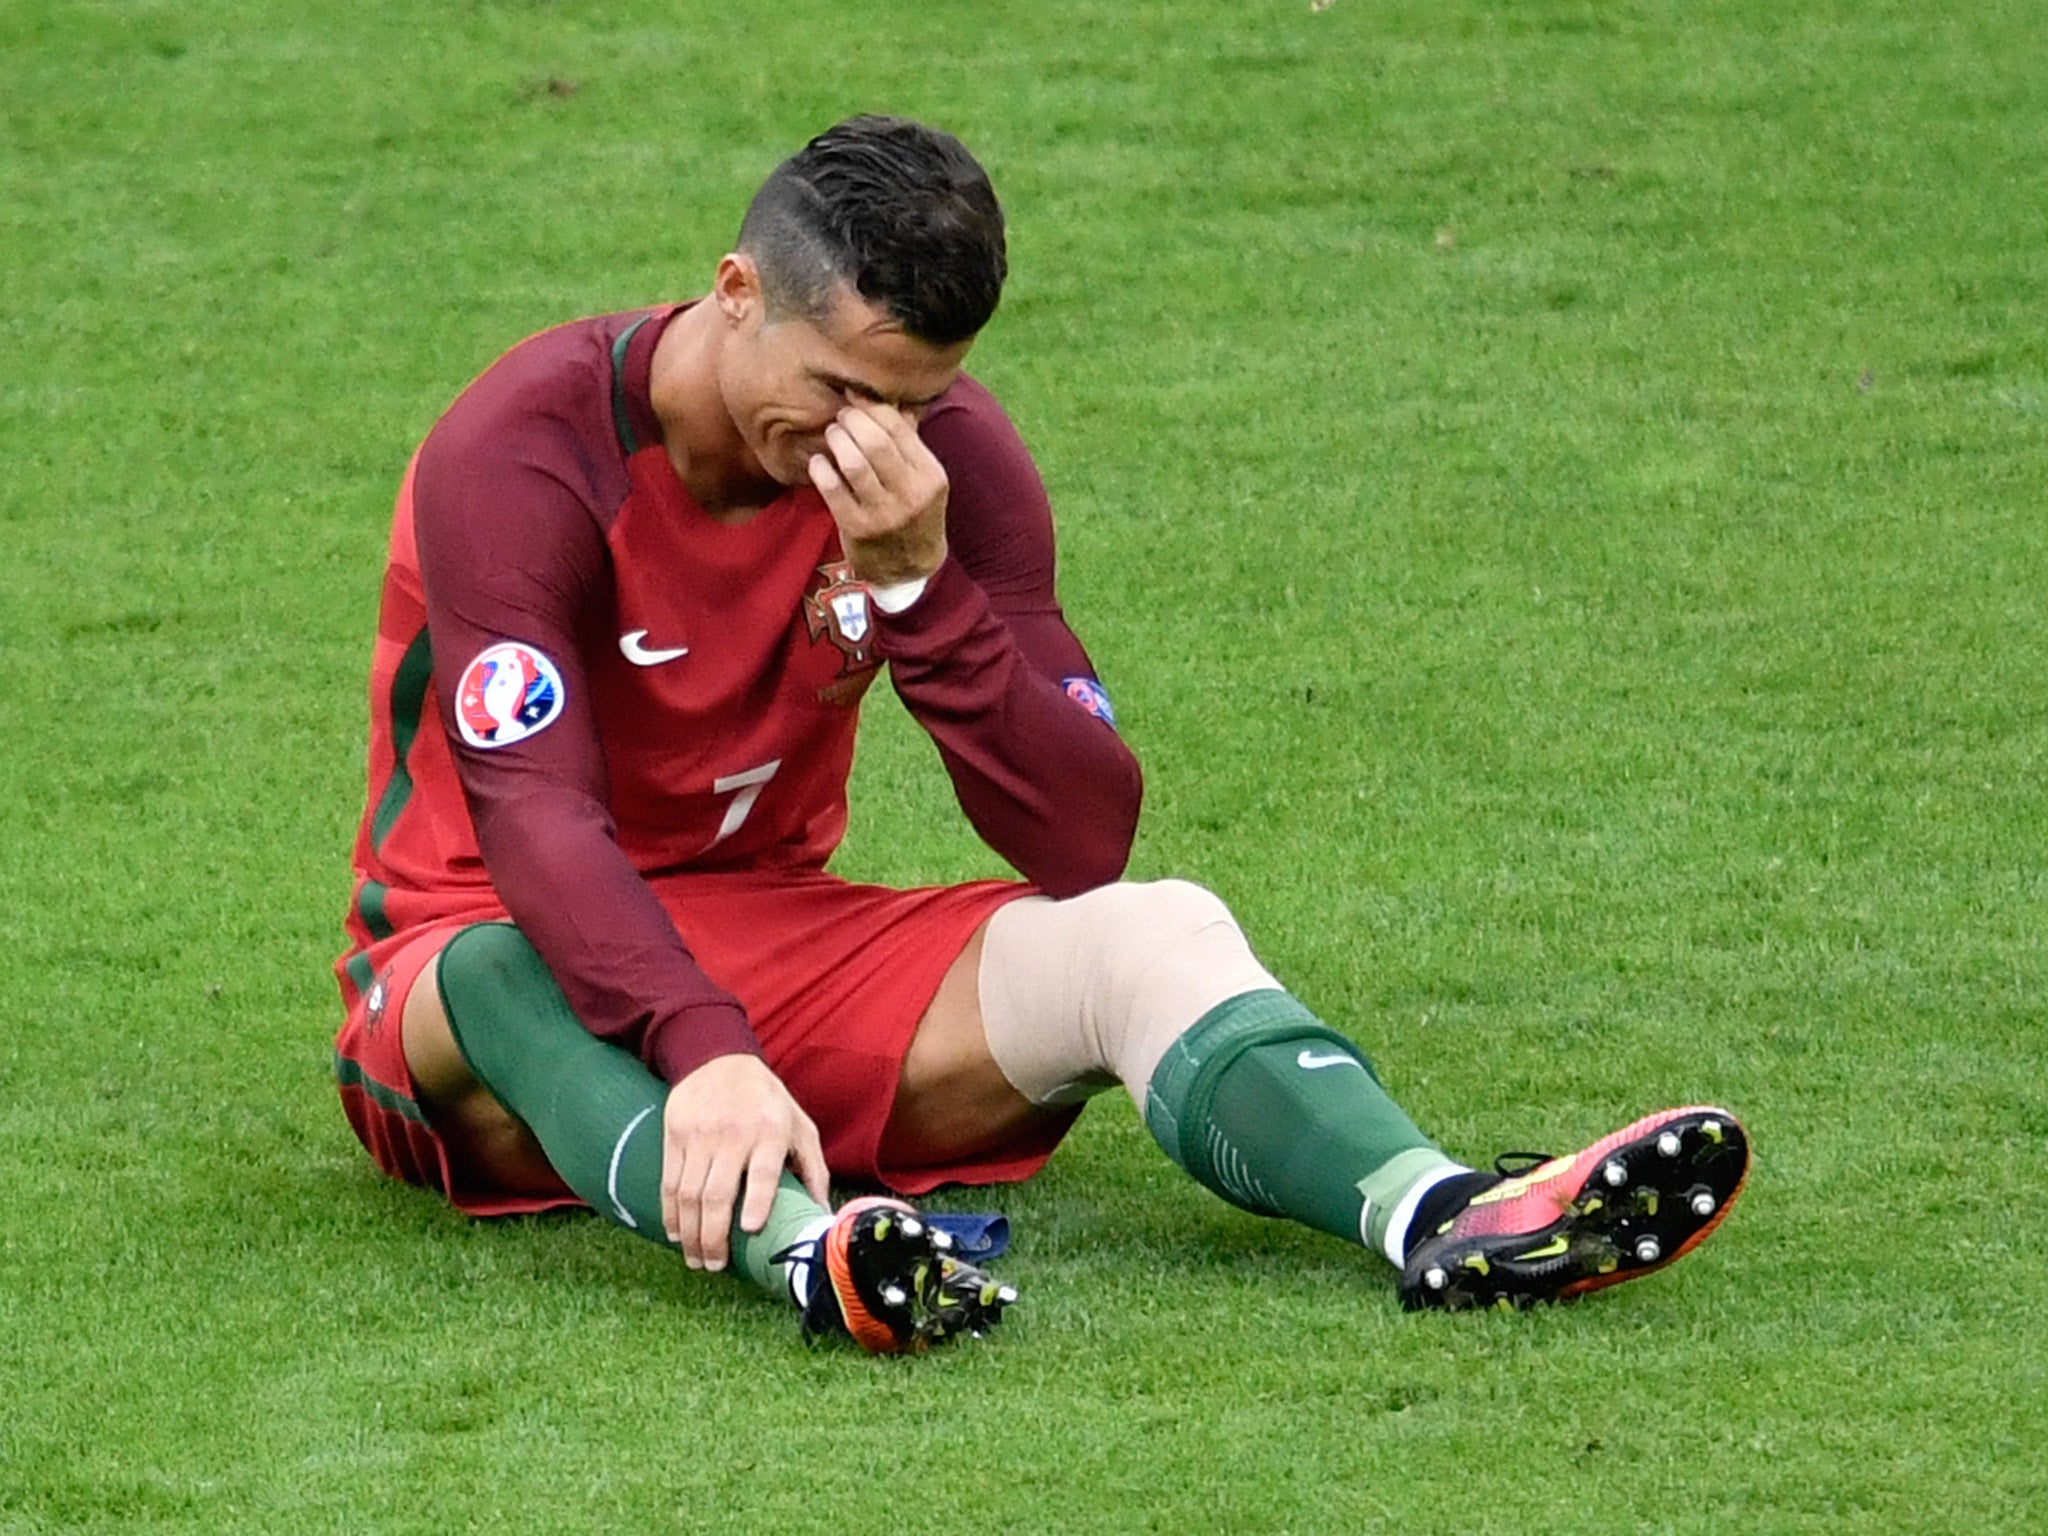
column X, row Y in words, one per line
column 408, row 700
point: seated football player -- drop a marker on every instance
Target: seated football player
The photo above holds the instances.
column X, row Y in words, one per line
column 640, row 575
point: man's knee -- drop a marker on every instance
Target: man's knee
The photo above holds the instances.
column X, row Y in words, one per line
column 489, row 1145
column 1134, row 914
column 482, row 976
column 1079, row 994
column 1183, row 911
column 438, row 1071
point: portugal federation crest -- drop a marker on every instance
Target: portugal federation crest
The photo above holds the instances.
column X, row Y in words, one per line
column 838, row 610
column 375, row 1001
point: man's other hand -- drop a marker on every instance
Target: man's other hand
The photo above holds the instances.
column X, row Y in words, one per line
column 731, row 1122
column 887, row 492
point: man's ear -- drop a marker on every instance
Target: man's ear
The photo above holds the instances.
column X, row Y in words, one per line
column 737, row 289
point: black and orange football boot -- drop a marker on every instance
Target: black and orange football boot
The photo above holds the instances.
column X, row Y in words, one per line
column 1629, row 1204
column 888, row 1278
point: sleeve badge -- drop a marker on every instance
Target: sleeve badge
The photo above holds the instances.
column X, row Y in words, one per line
column 510, row 692
column 1088, row 693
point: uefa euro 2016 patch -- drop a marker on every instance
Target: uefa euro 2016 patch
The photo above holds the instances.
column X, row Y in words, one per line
column 1087, row 693
column 510, row 692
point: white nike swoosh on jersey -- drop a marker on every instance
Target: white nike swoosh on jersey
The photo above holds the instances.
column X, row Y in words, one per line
column 633, row 650
column 1309, row 1061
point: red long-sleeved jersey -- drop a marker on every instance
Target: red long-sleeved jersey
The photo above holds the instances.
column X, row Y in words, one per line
column 581, row 679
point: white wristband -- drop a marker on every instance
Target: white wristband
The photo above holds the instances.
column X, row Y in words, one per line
column 899, row 595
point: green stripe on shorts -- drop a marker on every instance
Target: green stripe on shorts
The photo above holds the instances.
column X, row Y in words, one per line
column 370, row 905
column 360, row 972
column 350, row 1074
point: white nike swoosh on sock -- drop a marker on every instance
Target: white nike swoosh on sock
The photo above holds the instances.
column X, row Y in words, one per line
column 1309, row 1061
column 611, row 1180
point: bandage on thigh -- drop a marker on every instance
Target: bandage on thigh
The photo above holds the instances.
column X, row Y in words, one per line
column 1079, row 995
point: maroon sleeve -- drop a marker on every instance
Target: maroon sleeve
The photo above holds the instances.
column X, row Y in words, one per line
column 986, row 663
column 509, row 551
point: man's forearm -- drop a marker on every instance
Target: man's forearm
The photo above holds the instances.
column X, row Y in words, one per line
column 1047, row 784
column 613, row 950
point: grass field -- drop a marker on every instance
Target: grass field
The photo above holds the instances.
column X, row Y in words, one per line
column 1556, row 492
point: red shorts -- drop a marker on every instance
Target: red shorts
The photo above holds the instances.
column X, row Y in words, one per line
column 834, row 978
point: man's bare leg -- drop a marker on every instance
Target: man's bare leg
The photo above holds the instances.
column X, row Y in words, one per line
column 1142, row 966
column 532, row 1102
column 489, row 1146
column 528, row 1102
column 1076, row 996
column 952, row 1100
column 1154, row 986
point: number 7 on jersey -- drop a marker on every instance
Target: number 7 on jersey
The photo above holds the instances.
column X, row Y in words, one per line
column 745, row 788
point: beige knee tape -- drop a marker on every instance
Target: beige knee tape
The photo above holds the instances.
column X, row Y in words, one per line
column 1079, row 995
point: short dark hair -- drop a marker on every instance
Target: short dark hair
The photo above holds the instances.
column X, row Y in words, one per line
column 900, row 211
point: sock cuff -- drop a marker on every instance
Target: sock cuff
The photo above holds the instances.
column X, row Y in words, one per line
column 1182, row 1093
column 801, row 1275
column 1419, row 1171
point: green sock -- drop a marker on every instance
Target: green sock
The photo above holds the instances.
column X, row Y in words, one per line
column 595, row 1109
column 1278, row 1113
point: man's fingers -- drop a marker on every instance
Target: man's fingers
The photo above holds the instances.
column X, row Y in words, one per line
column 850, row 458
column 903, row 432
column 714, row 1213
column 828, row 483
column 731, row 1122
column 887, row 492
column 764, row 1174
column 894, row 423
column 840, row 498
column 825, row 477
column 888, row 440
column 809, row 1156
column 682, row 1214
column 877, row 444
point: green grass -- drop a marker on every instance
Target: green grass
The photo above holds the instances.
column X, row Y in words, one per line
column 1553, row 489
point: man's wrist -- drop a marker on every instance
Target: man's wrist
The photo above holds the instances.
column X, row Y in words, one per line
column 683, row 1042
column 897, row 596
